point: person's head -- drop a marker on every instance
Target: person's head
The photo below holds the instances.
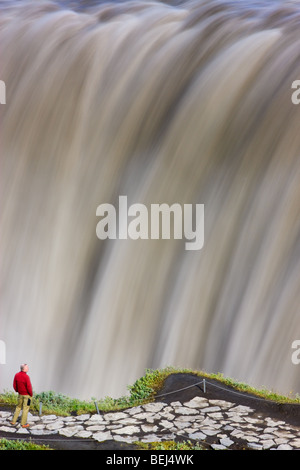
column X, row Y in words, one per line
column 24, row 367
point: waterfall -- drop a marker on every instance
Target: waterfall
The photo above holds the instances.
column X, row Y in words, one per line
column 185, row 102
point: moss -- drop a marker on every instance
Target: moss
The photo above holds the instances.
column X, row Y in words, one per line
column 169, row 445
column 6, row 444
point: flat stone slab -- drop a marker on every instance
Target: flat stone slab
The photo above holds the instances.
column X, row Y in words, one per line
column 102, row 436
column 218, row 424
column 197, row 402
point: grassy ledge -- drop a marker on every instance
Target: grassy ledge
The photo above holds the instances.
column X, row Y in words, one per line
column 6, row 444
column 142, row 391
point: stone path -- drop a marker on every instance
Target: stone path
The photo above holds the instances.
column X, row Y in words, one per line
column 217, row 423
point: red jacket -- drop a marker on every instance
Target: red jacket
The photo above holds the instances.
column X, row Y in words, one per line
column 22, row 384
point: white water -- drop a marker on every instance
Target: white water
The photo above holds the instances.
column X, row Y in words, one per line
column 188, row 104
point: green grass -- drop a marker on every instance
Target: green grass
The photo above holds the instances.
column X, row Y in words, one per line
column 149, row 385
column 142, row 391
column 6, row 444
column 169, row 445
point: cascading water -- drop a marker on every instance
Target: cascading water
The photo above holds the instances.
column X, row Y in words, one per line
column 180, row 102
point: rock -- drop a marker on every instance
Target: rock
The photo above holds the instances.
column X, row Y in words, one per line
column 252, row 420
column 295, row 443
column 227, row 427
column 135, row 410
column 37, row 427
column 83, row 434
column 254, row 446
column 180, row 424
column 7, row 429
column 218, row 447
column 221, row 403
column 22, row 431
column 250, row 438
column 55, row 425
column 69, row 419
column 197, row 402
column 70, row 430
column 149, row 428
column 95, row 427
column 284, row 447
column 114, row 416
column 182, row 410
column 185, row 419
column 210, row 432
column 272, row 423
column 166, row 424
column 283, row 434
column 32, row 419
column 208, row 422
column 145, row 415
column 269, row 430
column 154, row 407
column 266, row 436
column 241, row 409
column 268, row 444
column 226, row 442
column 279, row 441
column 102, row 436
column 174, row 404
column 197, row 436
column 84, row 417
column 95, row 419
column 127, row 439
column 235, row 418
column 167, row 415
column 127, row 430
column 48, row 417
column 189, row 430
column 127, row 421
column 216, row 416
column 210, row 409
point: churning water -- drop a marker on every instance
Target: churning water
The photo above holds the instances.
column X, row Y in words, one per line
column 184, row 102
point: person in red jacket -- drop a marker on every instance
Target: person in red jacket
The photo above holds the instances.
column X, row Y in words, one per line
column 23, row 387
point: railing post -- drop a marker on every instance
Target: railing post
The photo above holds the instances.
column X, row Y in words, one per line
column 204, row 386
column 40, row 408
column 96, row 404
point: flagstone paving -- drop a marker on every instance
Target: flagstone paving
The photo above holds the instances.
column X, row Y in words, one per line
column 217, row 424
